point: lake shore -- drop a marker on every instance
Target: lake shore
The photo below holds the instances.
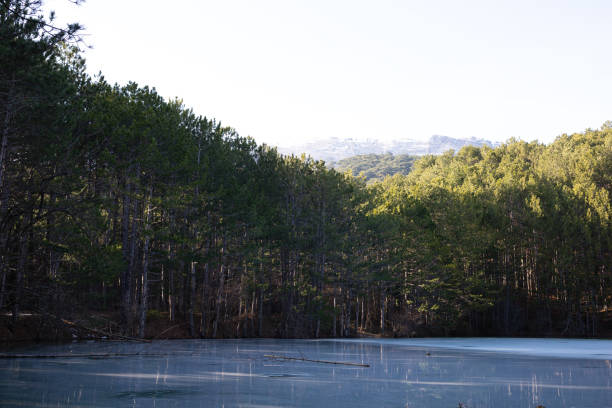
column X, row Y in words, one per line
column 32, row 327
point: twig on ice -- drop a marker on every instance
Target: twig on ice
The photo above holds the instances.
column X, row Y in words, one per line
column 315, row 361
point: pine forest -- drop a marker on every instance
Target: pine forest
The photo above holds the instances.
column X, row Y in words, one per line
column 132, row 214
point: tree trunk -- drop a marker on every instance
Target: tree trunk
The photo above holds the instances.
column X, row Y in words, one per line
column 3, row 262
column 240, row 305
column 126, row 274
column 347, row 332
column 204, row 304
column 260, row 290
column 5, row 135
column 54, row 256
column 171, row 301
column 383, row 311
column 219, row 301
column 192, row 295
column 260, row 317
column 252, row 314
column 334, row 330
column 145, row 266
column 131, row 294
column 4, row 196
column 2, row 284
column 357, row 313
column 23, row 256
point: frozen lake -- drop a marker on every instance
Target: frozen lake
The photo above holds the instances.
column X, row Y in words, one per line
column 234, row 373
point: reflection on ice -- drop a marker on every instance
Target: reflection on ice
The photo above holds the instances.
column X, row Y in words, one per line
column 569, row 348
column 234, row 373
column 509, row 383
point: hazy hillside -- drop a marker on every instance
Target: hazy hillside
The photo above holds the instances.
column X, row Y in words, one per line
column 335, row 149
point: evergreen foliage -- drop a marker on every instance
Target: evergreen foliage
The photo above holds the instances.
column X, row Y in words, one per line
column 115, row 200
column 375, row 167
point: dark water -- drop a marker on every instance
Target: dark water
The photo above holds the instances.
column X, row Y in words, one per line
column 234, row 373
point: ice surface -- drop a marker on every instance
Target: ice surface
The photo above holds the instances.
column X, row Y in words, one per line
column 565, row 348
column 235, row 373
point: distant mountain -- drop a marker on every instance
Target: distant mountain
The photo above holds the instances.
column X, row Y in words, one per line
column 335, row 149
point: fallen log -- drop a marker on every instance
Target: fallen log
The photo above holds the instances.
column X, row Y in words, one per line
column 168, row 329
column 315, row 361
column 101, row 333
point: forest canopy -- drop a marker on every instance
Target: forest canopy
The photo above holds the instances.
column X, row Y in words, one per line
column 375, row 167
column 119, row 203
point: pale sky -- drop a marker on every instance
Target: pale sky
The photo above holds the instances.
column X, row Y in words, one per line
column 287, row 71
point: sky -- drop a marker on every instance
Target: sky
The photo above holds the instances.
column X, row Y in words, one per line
column 290, row 71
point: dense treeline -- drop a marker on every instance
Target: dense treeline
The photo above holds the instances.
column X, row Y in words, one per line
column 375, row 167
column 119, row 203
column 510, row 240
